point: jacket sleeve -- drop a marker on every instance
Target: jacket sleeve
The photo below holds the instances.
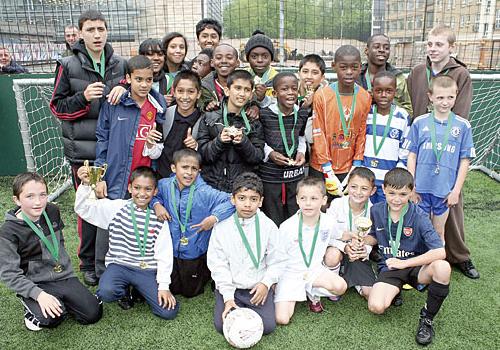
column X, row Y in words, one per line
column 251, row 146
column 403, row 94
column 164, row 257
column 98, row 212
column 63, row 105
column 210, row 149
column 102, row 134
column 320, row 146
column 222, row 207
column 161, row 195
column 464, row 97
column 218, row 263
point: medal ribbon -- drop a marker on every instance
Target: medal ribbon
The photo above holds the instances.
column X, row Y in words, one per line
column 345, row 128
column 142, row 246
column 365, row 212
column 265, row 76
column 432, row 126
column 243, row 115
column 313, row 245
column 289, row 150
column 255, row 260
column 395, row 244
column 386, row 129
column 188, row 207
column 428, row 73
column 368, row 80
column 99, row 68
column 170, row 81
column 53, row 247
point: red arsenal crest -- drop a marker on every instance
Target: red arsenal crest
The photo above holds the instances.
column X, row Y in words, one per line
column 407, row 231
column 149, row 115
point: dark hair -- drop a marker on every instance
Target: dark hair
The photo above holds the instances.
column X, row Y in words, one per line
column 280, row 76
column 207, row 51
column 363, row 173
column 384, row 74
column 399, row 178
column 208, row 23
column 224, row 44
column 347, row 50
column 150, row 46
column 248, row 181
column 167, row 39
column 144, row 171
column 370, row 39
column 313, row 58
column 138, row 62
column 258, row 31
column 312, row 181
column 187, row 75
column 443, row 81
column 91, row 15
column 22, row 179
column 185, row 153
column 239, row 74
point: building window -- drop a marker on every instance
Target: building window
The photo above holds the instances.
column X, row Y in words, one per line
column 485, row 29
column 497, row 19
column 488, row 7
column 462, row 21
column 452, row 22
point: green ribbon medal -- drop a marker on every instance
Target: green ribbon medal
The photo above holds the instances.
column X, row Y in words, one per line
column 428, row 74
column 243, row 115
column 170, row 81
column 345, row 127
column 368, row 80
column 365, row 212
column 100, row 68
column 432, row 126
column 377, row 148
column 53, row 247
column 142, row 245
column 255, row 260
column 289, row 150
column 265, row 77
column 307, row 261
column 395, row 244
column 184, row 240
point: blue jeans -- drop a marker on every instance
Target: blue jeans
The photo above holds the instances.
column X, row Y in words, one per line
column 116, row 279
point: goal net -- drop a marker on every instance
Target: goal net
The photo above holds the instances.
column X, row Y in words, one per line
column 41, row 134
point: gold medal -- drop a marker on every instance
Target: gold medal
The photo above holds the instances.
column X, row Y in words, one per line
column 184, row 240
column 58, row 268
column 306, row 276
column 143, row 265
column 374, row 163
column 345, row 144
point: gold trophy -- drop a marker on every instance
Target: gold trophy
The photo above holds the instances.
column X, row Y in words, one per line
column 363, row 225
column 96, row 174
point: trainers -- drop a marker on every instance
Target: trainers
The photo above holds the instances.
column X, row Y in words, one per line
column 407, row 287
column 315, row 306
column 425, row 332
column 335, row 298
column 468, row 269
column 126, row 303
column 398, row 300
column 31, row 322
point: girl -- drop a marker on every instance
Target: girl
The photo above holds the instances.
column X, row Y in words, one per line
column 175, row 47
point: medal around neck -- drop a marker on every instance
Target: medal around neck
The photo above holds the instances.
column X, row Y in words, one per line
column 95, row 174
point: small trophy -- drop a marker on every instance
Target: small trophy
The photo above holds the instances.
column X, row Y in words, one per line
column 363, row 225
column 96, row 173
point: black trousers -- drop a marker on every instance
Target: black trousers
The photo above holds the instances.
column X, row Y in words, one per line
column 189, row 277
column 280, row 201
column 75, row 299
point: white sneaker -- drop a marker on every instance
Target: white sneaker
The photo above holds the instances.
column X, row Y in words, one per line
column 29, row 322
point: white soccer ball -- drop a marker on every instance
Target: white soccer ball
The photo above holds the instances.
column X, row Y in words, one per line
column 243, row 328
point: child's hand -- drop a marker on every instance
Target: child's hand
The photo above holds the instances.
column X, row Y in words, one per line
column 228, row 306
column 253, row 112
column 161, row 213
column 452, row 198
column 169, row 98
column 352, row 254
column 347, row 236
column 260, row 91
column 94, row 91
column 166, row 300
column 238, row 137
column 225, row 135
column 83, row 175
column 189, row 141
column 300, row 159
column 259, row 294
column 278, row 158
column 115, row 94
column 49, row 304
column 206, row 224
column 153, row 137
column 396, row 264
column 101, row 189
column 415, row 197
column 212, row 106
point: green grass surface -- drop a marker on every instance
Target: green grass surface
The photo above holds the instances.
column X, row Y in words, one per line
column 469, row 318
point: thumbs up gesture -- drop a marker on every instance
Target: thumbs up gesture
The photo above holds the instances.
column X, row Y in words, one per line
column 189, row 141
column 153, row 137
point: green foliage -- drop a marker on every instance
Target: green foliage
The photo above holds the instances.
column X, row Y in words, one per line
column 305, row 19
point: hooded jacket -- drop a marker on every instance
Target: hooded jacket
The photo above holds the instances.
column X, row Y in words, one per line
column 68, row 103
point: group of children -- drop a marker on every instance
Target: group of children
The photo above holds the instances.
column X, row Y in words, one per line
column 203, row 218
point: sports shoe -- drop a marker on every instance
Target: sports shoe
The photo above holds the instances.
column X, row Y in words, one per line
column 468, row 269
column 398, row 300
column 425, row 332
column 315, row 306
column 126, row 303
column 407, row 287
column 335, row 298
column 90, row 278
column 31, row 322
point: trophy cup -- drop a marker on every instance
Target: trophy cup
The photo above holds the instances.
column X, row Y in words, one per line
column 95, row 173
column 363, row 225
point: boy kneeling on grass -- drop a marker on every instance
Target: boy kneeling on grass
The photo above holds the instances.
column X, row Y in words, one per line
column 140, row 247
column 412, row 252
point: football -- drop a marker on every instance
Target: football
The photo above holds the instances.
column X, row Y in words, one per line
column 243, row 328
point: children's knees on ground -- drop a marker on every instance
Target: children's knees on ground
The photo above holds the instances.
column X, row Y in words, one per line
column 333, row 257
column 337, row 285
column 282, row 319
column 166, row 314
column 376, row 306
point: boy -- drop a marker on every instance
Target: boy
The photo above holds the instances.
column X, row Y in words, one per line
column 412, row 252
column 339, row 122
column 387, row 127
column 311, row 76
column 377, row 51
column 181, row 123
column 151, row 48
column 306, row 237
column 259, row 52
column 192, row 208
column 230, row 143
column 34, row 262
column 208, row 33
column 440, row 44
column 140, row 247
column 83, row 81
column 346, row 250
column 201, row 63
column 283, row 167
column 245, row 257
column 441, row 146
